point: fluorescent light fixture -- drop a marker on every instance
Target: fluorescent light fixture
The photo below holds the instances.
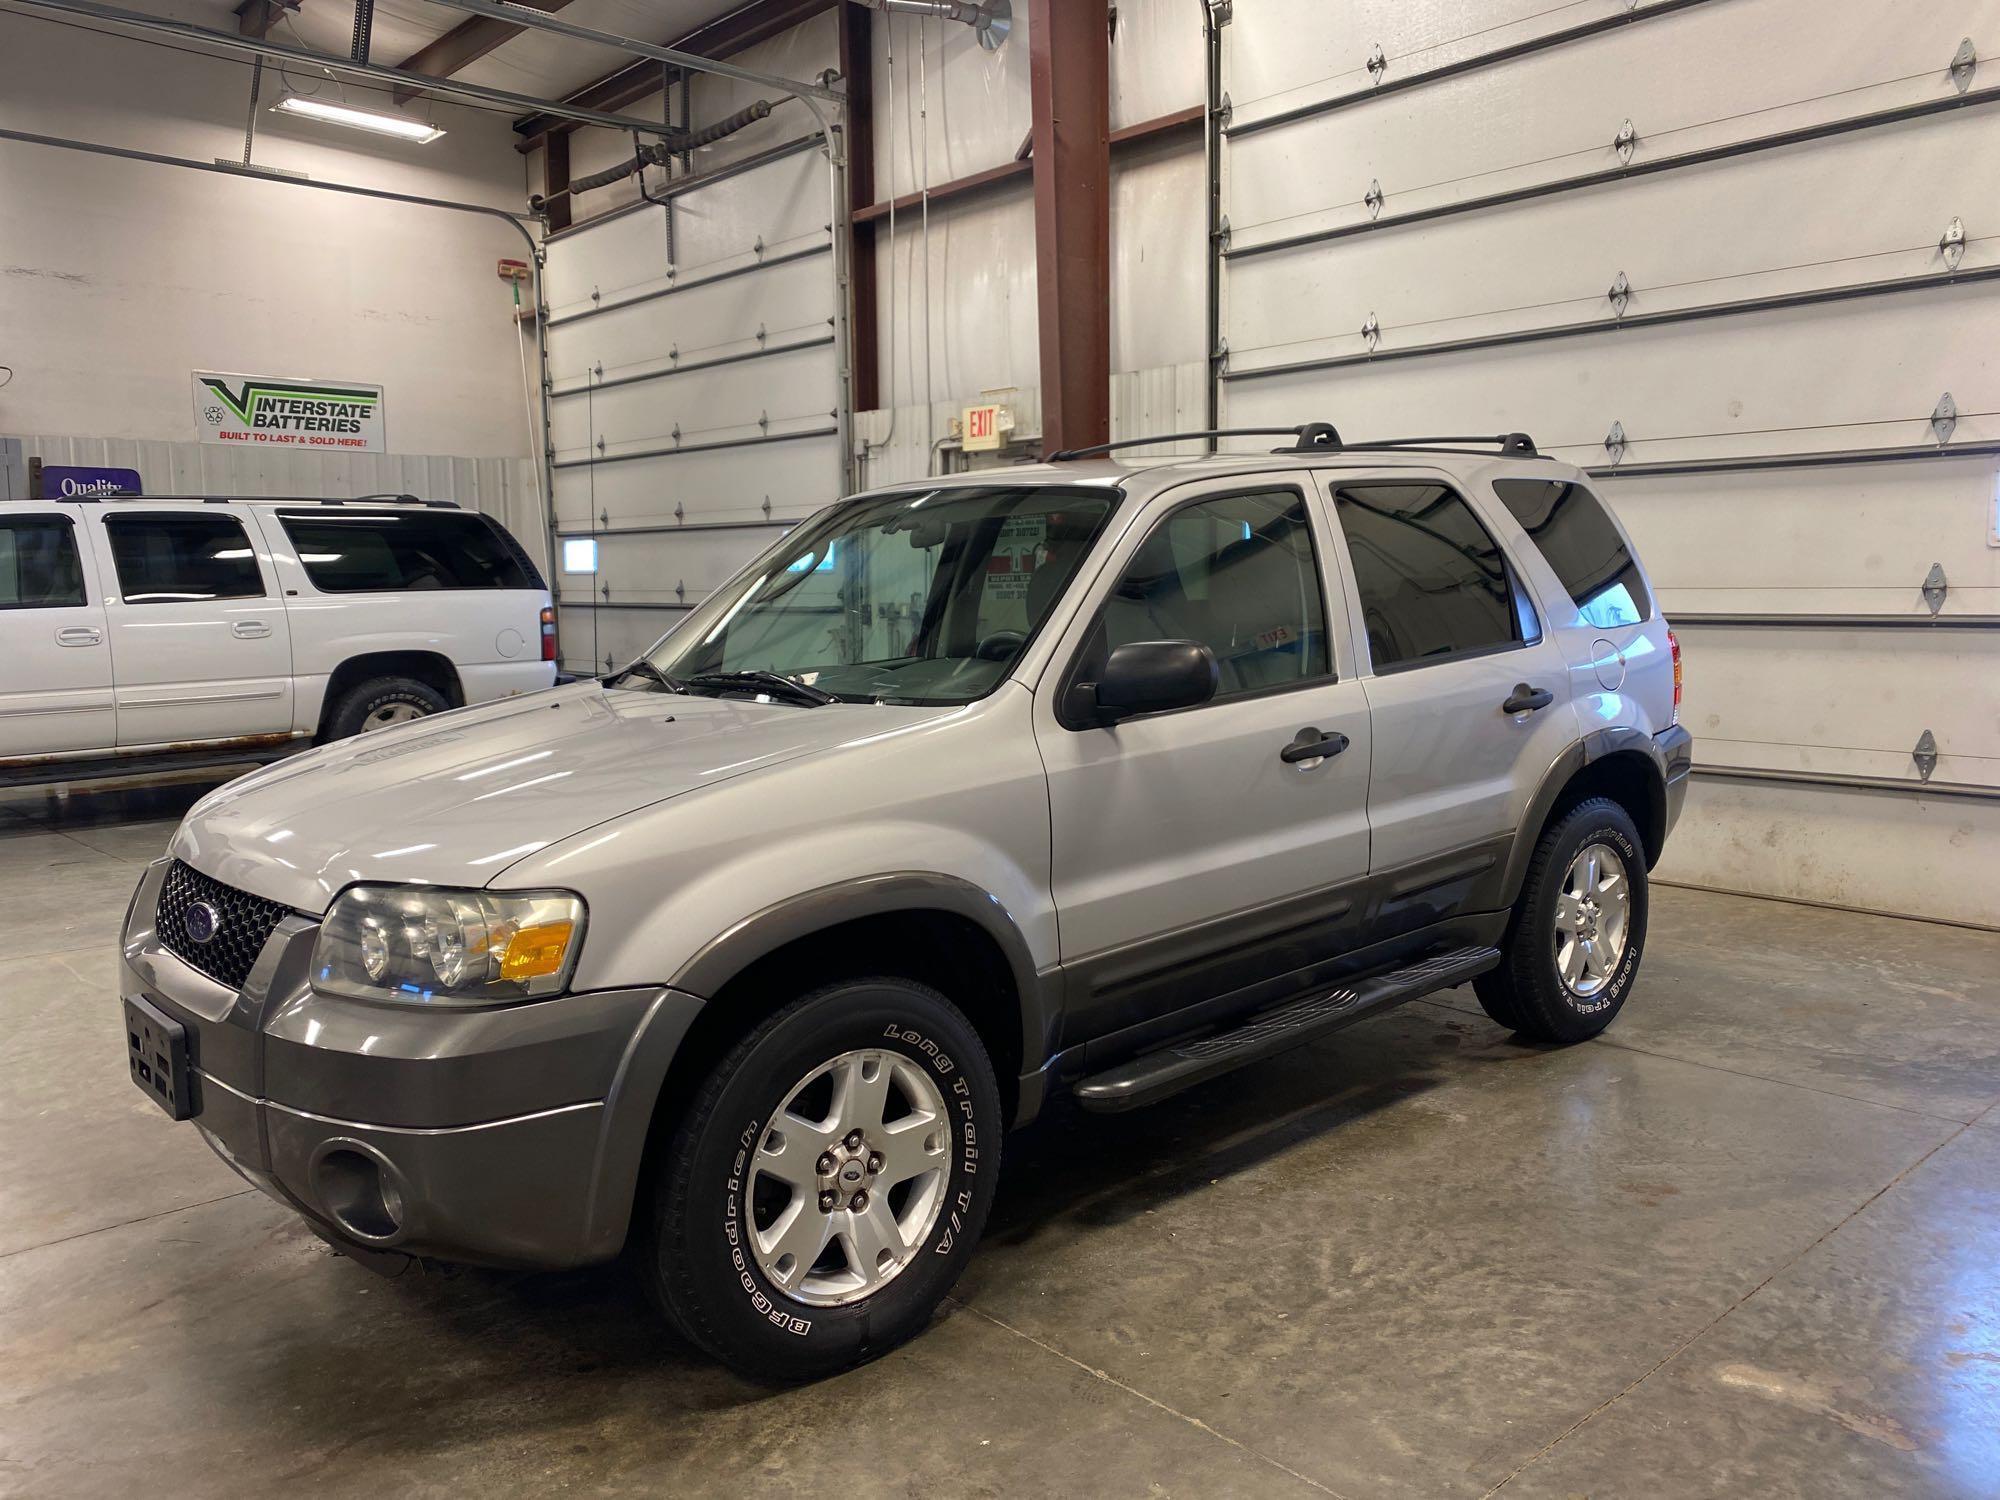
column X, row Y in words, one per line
column 400, row 126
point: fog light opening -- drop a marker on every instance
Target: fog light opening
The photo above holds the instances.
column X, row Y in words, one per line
column 357, row 1196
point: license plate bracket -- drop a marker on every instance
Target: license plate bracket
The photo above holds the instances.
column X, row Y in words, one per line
column 156, row 1053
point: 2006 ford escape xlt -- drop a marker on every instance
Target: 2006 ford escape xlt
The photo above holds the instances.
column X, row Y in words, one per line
column 1091, row 777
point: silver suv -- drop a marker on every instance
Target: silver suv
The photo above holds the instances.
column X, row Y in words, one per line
column 1089, row 777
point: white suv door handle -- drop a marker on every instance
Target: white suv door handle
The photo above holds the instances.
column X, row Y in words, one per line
column 79, row 635
column 249, row 630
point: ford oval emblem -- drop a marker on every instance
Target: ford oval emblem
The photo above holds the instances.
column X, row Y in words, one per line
column 201, row 922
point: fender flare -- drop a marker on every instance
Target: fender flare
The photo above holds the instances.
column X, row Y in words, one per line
column 1591, row 748
column 763, row 932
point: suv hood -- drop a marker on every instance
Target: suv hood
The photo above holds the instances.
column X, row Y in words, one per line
column 456, row 799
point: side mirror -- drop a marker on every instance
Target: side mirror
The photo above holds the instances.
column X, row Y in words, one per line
column 1148, row 677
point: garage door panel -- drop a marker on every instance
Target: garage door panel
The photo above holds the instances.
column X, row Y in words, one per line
column 730, row 484
column 595, row 641
column 615, row 258
column 1715, row 389
column 1838, row 212
column 671, row 568
column 783, row 201
column 1927, row 856
column 1839, row 700
column 698, row 318
column 1293, row 52
column 1554, row 114
column 730, row 396
column 1854, row 540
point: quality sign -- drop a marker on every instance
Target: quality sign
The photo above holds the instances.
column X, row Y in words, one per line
column 253, row 409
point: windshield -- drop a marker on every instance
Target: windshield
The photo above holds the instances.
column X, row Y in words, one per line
column 924, row 596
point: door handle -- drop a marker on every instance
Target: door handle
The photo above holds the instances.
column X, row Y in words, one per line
column 249, row 630
column 79, row 635
column 1312, row 745
column 1526, row 700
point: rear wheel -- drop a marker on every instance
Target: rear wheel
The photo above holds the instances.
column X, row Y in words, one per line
column 1578, row 929
column 828, row 1182
column 382, row 703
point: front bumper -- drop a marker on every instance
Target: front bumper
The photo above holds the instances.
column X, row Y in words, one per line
column 511, row 1136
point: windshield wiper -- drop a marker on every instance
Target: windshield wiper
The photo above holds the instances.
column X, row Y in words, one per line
column 777, row 684
column 644, row 668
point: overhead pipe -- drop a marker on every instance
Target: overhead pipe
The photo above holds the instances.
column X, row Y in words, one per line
column 992, row 20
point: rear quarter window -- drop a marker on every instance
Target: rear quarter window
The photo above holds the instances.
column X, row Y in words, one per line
column 1570, row 526
column 365, row 552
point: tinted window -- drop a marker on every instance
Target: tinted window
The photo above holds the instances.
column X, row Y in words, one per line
column 173, row 558
column 1236, row 573
column 350, row 554
column 39, row 566
column 1569, row 524
column 1433, row 581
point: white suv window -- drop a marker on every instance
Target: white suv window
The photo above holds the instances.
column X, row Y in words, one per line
column 181, row 557
column 39, row 566
column 372, row 552
column 1434, row 584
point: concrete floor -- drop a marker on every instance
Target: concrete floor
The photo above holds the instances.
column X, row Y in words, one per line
column 1747, row 1244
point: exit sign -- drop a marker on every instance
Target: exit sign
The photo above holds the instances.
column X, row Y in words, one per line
column 981, row 428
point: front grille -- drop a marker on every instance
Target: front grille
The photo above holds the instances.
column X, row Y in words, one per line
column 243, row 923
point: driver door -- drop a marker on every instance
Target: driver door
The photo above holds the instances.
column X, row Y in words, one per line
column 1189, row 859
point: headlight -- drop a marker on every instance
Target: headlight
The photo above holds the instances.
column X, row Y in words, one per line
column 423, row 945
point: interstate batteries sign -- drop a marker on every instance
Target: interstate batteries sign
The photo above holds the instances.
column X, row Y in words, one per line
column 255, row 410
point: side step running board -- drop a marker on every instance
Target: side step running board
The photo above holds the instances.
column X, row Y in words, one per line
column 1155, row 1075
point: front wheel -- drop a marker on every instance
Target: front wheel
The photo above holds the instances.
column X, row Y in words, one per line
column 1578, row 929
column 827, row 1184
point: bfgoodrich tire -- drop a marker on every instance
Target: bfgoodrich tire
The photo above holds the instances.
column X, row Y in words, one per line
column 382, row 702
column 1578, row 932
column 827, row 1184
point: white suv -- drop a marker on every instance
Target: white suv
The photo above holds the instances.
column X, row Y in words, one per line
column 143, row 633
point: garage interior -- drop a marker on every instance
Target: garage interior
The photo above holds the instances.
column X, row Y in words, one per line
column 1727, row 256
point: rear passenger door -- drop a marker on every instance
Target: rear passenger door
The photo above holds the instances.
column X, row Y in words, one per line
column 197, row 627
column 55, row 689
column 1469, row 695
column 1189, row 858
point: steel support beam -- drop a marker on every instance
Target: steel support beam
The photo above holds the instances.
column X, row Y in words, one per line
column 464, row 44
column 857, row 67
column 224, row 41
column 1069, row 62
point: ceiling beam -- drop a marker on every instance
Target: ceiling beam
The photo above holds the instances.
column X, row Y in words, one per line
column 467, row 42
column 757, row 22
column 255, row 18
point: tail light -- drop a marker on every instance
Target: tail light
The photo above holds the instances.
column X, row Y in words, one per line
column 1674, row 645
column 549, row 646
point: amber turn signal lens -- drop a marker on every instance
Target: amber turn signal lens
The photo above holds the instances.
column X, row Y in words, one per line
column 536, row 951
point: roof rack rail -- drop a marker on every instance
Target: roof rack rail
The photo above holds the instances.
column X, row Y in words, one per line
column 1321, row 437
column 1510, row 444
column 1065, row 454
column 385, row 498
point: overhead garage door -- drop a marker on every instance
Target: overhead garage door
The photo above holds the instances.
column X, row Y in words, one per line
column 695, row 390
column 1722, row 253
